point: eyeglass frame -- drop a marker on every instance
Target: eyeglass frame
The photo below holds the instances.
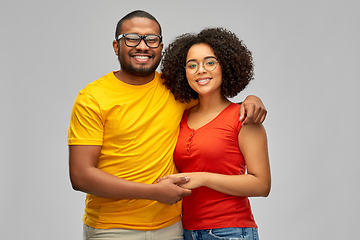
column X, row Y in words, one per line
column 142, row 37
column 198, row 65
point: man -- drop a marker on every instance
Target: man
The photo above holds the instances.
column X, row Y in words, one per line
column 122, row 134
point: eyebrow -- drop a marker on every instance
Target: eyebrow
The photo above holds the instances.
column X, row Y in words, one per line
column 194, row 60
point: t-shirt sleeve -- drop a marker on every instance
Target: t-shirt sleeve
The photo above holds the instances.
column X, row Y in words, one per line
column 86, row 122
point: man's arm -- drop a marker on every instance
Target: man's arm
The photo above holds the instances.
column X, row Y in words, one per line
column 252, row 110
column 86, row 177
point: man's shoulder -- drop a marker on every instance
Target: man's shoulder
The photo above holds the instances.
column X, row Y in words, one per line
column 99, row 84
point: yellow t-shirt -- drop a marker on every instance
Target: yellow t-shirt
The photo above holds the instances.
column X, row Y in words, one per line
column 137, row 127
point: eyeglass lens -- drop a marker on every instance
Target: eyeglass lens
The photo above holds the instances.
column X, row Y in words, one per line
column 132, row 40
column 208, row 64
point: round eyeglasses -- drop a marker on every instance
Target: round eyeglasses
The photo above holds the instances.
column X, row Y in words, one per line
column 209, row 64
column 134, row 39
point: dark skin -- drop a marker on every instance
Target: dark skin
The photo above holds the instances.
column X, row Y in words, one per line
column 86, row 177
column 251, row 112
column 84, row 174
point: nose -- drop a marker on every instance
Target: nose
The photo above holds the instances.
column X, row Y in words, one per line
column 142, row 45
column 201, row 68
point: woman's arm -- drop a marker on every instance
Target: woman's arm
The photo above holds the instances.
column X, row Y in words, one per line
column 257, row 180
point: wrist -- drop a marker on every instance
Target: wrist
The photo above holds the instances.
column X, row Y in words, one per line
column 152, row 192
column 205, row 179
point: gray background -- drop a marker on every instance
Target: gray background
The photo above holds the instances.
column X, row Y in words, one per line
column 307, row 73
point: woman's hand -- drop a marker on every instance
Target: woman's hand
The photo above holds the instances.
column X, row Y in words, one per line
column 195, row 179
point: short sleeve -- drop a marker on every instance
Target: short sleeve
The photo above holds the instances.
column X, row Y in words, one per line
column 86, row 122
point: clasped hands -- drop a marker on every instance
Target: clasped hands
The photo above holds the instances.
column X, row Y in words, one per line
column 172, row 188
column 191, row 180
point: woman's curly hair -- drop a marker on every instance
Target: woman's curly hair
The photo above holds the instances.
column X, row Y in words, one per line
column 233, row 56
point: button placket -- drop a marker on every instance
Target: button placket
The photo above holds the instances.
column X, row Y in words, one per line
column 190, row 140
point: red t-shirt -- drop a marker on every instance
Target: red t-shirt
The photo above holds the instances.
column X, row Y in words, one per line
column 213, row 148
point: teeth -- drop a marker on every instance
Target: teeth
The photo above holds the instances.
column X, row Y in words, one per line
column 204, row 80
column 141, row 57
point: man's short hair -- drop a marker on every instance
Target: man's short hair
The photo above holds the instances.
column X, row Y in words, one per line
column 134, row 14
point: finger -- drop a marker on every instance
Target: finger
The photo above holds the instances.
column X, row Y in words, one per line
column 180, row 180
column 263, row 116
column 257, row 114
column 186, row 192
column 163, row 178
column 249, row 114
column 242, row 113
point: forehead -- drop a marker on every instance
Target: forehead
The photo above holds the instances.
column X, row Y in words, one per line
column 140, row 26
column 200, row 52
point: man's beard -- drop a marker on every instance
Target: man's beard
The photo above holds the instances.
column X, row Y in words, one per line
column 140, row 71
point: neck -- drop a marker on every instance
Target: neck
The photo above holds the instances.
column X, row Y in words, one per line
column 212, row 103
column 133, row 79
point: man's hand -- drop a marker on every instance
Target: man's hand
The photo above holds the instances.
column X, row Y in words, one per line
column 168, row 190
column 252, row 110
column 86, row 177
column 195, row 179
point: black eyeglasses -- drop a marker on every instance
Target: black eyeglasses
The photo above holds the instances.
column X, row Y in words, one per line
column 134, row 39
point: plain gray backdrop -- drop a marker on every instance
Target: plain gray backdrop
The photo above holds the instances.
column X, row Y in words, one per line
column 307, row 72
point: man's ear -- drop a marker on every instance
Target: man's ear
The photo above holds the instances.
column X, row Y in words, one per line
column 116, row 47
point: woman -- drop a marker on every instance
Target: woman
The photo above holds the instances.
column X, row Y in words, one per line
column 226, row 162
